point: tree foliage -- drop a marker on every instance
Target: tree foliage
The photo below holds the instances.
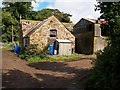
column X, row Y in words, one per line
column 10, row 18
column 18, row 8
column 45, row 13
column 106, row 71
column 7, row 22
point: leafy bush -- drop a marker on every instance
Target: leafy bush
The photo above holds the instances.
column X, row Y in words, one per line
column 31, row 53
column 106, row 72
column 22, row 56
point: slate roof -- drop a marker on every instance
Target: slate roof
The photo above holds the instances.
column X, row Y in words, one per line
column 34, row 27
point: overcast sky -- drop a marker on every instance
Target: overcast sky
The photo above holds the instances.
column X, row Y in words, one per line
column 77, row 8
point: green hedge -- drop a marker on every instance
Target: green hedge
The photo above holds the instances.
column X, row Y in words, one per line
column 106, row 71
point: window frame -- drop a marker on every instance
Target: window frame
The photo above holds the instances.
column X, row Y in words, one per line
column 53, row 33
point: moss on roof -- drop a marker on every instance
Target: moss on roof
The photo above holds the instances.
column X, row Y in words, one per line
column 35, row 21
column 32, row 21
column 67, row 24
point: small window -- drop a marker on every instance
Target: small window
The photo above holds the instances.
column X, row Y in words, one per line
column 53, row 33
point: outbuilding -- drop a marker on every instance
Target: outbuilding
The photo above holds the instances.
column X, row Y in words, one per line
column 89, row 36
column 43, row 33
column 62, row 47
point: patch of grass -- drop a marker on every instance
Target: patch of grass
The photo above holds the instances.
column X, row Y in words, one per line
column 64, row 57
column 32, row 21
column 37, row 58
column 7, row 46
column 34, row 59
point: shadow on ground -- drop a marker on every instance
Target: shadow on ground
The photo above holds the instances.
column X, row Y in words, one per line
column 45, row 75
column 19, row 79
column 57, row 67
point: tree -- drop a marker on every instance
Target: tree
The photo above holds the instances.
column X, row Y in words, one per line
column 106, row 70
column 10, row 16
column 7, row 22
column 45, row 13
column 18, row 8
column 33, row 15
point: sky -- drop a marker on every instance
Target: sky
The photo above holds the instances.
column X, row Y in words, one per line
column 77, row 8
column 0, row 3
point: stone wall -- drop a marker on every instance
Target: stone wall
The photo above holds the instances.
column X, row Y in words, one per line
column 97, row 30
column 41, row 35
column 99, row 43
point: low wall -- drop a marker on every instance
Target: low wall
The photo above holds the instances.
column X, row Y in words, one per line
column 99, row 43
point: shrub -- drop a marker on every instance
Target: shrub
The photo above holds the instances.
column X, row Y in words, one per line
column 31, row 53
column 106, row 72
column 21, row 55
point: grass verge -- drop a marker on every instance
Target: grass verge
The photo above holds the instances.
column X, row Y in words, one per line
column 55, row 58
column 7, row 46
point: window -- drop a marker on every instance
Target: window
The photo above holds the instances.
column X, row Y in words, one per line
column 53, row 33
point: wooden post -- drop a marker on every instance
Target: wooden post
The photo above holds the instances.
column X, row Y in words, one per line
column 12, row 34
column 21, row 35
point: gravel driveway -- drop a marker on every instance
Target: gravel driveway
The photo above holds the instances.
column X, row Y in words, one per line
column 19, row 73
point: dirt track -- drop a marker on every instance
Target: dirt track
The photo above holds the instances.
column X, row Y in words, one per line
column 18, row 73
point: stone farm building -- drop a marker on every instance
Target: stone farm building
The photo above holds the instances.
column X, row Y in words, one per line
column 89, row 37
column 45, row 32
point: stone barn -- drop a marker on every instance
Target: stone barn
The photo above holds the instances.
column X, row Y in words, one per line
column 44, row 32
column 89, row 37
